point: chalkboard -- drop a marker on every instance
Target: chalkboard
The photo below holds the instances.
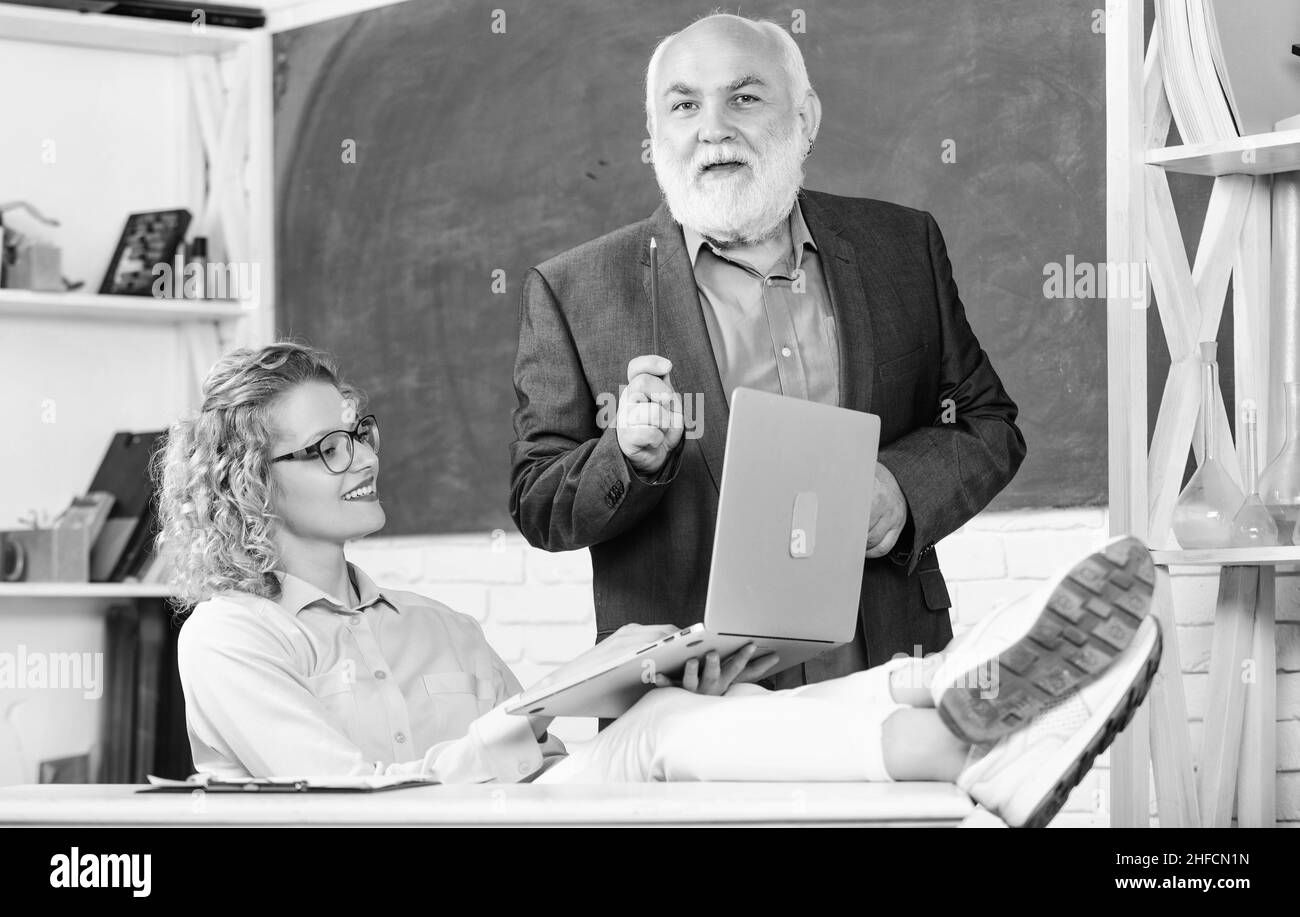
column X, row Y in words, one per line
column 425, row 160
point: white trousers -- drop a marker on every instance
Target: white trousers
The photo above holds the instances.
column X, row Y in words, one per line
column 829, row 731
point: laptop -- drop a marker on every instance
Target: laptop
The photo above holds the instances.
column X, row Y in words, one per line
column 788, row 550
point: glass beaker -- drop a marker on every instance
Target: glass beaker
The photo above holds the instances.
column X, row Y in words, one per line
column 1253, row 526
column 1279, row 483
column 1205, row 509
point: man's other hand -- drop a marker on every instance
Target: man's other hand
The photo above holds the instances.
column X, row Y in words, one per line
column 888, row 513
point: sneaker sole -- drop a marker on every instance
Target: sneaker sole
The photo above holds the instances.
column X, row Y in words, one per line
column 1046, row 810
column 1087, row 622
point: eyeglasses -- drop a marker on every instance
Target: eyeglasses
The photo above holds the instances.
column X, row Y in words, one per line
column 335, row 449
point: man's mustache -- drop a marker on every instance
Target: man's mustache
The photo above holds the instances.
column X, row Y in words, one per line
column 713, row 157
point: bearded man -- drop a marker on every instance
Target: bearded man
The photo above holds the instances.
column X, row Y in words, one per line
column 848, row 302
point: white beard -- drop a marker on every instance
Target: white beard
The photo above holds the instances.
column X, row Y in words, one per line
column 744, row 207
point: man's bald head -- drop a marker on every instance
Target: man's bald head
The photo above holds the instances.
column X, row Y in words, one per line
column 719, row 30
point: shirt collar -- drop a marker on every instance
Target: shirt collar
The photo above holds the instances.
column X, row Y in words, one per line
column 799, row 236
column 298, row 594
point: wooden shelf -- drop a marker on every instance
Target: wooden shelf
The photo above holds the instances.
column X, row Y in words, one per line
column 96, row 307
column 83, row 591
column 1213, row 557
column 118, row 33
column 1258, row 154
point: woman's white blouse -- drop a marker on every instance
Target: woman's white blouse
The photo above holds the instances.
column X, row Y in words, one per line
column 306, row 686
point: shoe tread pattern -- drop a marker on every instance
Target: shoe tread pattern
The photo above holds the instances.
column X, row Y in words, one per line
column 1089, row 620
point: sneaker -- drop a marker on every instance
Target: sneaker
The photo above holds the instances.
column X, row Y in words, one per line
column 1025, row 778
column 1057, row 641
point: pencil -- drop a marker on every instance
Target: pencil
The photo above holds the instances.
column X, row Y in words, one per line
column 654, row 296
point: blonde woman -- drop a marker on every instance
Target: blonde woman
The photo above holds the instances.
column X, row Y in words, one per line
column 295, row 663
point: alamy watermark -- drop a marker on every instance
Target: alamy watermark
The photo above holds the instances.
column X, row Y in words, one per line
column 239, row 280
column 39, row 670
column 979, row 672
column 103, row 870
column 1085, row 280
column 684, row 410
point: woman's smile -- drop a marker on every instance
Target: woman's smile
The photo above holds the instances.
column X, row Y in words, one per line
column 366, row 492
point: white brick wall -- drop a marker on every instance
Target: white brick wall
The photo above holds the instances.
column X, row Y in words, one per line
column 536, row 610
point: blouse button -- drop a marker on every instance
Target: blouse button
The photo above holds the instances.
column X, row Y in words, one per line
column 400, row 737
column 381, row 675
column 785, row 351
column 354, row 620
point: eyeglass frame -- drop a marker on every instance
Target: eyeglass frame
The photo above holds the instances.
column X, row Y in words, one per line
column 313, row 451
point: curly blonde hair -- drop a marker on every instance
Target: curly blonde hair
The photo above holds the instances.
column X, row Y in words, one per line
column 214, row 476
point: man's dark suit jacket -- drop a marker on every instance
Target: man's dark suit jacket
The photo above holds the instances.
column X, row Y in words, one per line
column 907, row 354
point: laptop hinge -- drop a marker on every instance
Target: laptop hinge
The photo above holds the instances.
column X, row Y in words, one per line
column 781, row 639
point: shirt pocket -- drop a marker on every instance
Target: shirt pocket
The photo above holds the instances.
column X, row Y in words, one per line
column 334, row 692
column 458, row 699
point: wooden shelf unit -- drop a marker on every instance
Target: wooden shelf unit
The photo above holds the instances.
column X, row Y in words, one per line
column 228, row 77
column 1227, row 557
column 1239, row 757
column 79, row 306
column 83, row 591
column 118, row 33
column 1258, row 154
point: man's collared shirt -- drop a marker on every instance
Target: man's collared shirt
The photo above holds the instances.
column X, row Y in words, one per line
column 771, row 327
column 308, row 685
column 776, row 332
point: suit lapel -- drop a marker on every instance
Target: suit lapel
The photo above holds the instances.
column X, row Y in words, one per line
column 683, row 336
column 849, row 301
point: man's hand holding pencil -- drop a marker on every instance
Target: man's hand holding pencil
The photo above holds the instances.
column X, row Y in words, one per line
column 650, row 423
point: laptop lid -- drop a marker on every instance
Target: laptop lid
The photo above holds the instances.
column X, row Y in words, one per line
column 793, row 513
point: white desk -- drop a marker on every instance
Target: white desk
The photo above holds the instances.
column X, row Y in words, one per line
column 665, row 804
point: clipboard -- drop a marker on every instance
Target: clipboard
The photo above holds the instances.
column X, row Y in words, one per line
column 209, row 784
